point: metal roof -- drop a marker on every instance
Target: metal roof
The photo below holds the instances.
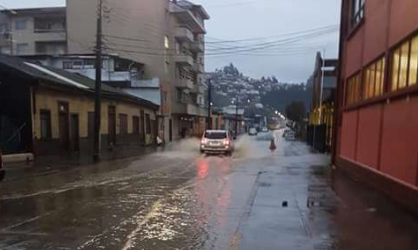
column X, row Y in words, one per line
column 62, row 78
column 151, row 83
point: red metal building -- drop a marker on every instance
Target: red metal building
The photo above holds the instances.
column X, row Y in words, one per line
column 377, row 113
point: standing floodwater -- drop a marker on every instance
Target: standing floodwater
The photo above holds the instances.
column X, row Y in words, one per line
column 181, row 199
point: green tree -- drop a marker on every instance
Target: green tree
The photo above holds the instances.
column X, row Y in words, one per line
column 296, row 111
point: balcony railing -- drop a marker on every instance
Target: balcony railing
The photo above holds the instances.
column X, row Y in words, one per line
column 198, row 68
column 184, row 58
column 184, row 34
column 187, row 17
column 50, row 30
column 197, row 47
column 185, row 83
column 189, row 109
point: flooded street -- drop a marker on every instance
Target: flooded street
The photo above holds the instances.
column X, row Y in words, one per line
column 179, row 199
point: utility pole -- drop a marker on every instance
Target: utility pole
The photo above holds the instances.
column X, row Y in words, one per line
column 98, row 85
column 320, row 98
column 209, row 103
column 9, row 33
column 236, row 117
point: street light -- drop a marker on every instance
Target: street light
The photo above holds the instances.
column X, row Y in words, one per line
column 236, row 102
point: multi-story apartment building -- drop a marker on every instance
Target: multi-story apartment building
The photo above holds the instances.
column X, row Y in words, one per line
column 33, row 31
column 166, row 37
column 187, row 22
column 377, row 119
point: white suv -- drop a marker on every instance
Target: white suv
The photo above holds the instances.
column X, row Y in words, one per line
column 216, row 141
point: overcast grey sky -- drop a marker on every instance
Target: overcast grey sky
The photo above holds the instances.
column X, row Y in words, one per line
column 245, row 19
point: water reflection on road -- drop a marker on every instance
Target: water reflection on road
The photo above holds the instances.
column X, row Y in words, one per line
column 180, row 199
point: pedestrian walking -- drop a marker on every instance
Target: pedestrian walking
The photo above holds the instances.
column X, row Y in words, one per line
column 273, row 145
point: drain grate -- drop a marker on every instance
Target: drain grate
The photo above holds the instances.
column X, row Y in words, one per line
column 264, row 184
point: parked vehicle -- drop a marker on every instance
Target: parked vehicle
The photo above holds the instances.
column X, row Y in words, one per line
column 217, row 141
column 290, row 135
column 252, row 131
column 2, row 172
column 265, row 129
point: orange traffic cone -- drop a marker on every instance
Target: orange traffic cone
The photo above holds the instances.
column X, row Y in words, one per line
column 272, row 145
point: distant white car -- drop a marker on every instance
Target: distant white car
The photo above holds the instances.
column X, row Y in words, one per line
column 289, row 135
column 252, row 131
column 216, row 141
column 264, row 129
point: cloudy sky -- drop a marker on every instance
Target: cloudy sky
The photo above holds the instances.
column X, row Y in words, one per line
column 272, row 34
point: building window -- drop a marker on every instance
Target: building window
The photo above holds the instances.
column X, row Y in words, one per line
column 405, row 65
column 179, row 94
column 89, row 63
column 5, row 50
column 135, row 125
column 72, row 64
column 166, row 42
column 21, row 48
column 67, row 65
column 122, row 65
column 20, row 25
column 373, row 79
column 353, row 89
column 357, row 11
column 45, row 116
column 4, row 28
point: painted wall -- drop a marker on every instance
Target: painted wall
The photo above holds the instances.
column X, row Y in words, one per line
column 381, row 135
column 146, row 21
column 82, row 105
column 384, row 137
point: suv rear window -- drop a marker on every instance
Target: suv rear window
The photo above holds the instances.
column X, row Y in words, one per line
column 215, row 135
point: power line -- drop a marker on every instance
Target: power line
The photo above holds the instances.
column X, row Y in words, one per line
column 220, row 41
column 279, row 40
column 236, row 49
column 266, row 45
column 127, row 38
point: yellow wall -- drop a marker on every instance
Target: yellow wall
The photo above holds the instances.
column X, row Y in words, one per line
column 81, row 104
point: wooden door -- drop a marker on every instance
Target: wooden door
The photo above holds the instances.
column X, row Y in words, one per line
column 142, row 126
column 123, row 128
column 75, row 133
column 170, row 129
column 63, row 123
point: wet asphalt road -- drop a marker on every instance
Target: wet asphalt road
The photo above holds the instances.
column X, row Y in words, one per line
column 179, row 199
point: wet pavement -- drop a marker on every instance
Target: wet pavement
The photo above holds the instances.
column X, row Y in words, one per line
column 179, row 199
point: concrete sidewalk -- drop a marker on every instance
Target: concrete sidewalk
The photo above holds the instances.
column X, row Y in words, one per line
column 300, row 203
